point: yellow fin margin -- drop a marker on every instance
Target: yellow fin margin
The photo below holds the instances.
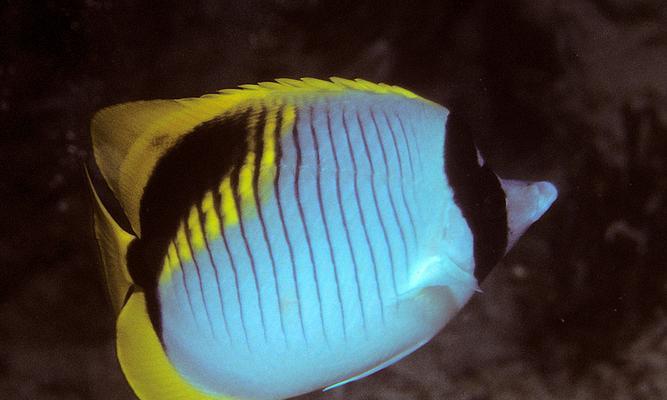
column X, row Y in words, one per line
column 144, row 362
column 313, row 85
column 113, row 242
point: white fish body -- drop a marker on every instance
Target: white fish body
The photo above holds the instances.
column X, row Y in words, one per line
column 293, row 236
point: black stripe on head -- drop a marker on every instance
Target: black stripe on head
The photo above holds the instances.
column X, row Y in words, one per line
column 195, row 165
column 478, row 194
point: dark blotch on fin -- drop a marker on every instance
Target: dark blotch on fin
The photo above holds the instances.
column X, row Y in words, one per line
column 478, row 194
column 180, row 179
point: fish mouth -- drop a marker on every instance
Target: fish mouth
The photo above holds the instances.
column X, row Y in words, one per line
column 526, row 203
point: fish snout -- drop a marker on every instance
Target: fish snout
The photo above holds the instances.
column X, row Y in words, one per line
column 526, row 202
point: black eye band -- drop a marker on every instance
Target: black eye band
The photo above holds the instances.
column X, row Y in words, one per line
column 180, row 180
column 479, row 195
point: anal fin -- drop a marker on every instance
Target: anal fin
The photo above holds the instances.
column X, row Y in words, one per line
column 144, row 361
column 378, row 367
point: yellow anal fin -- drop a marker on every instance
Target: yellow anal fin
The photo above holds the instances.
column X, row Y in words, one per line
column 143, row 360
column 113, row 242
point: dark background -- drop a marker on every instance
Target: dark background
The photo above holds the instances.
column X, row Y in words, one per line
column 570, row 91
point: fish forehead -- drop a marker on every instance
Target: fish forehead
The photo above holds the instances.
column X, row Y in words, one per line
column 315, row 252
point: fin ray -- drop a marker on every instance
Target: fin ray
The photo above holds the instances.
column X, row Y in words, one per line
column 113, row 242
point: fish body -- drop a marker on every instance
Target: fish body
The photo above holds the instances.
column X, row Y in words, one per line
column 292, row 235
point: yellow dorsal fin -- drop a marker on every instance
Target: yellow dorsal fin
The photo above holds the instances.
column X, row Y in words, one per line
column 143, row 360
column 113, row 242
column 313, row 85
column 129, row 139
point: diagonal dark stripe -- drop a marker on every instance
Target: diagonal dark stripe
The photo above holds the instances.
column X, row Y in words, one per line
column 377, row 206
column 404, row 134
column 185, row 283
column 324, row 218
column 407, row 146
column 389, row 194
column 188, row 239
column 413, row 135
column 363, row 218
column 234, row 180
column 202, row 223
column 297, row 197
column 195, row 164
column 276, row 190
column 343, row 219
column 402, row 178
column 259, row 151
column 217, row 200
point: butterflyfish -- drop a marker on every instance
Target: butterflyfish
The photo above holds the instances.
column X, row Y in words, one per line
column 292, row 235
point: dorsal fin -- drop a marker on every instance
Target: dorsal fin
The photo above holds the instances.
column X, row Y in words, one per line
column 129, row 139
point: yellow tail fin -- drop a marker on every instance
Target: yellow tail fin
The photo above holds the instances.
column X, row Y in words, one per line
column 113, row 242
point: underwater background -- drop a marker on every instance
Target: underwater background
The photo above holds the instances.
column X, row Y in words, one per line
column 570, row 91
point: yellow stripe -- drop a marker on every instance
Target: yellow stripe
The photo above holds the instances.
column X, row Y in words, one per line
column 289, row 116
column 182, row 243
column 167, row 271
column 269, row 151
column 171, row 261
column 196, row 234
column 211, row 221
column 170, row 265
column 267, row 164
column 229, row 210
column 248, row 168
column 173, row 257
column 228, row 207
